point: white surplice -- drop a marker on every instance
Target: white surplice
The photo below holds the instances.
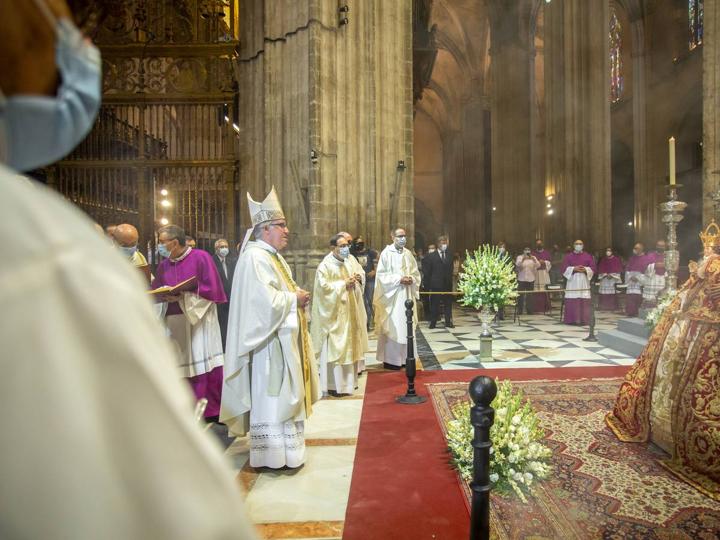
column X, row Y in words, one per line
column 578, row 284
column 195, row 333
column 389, row 303
column 263, row 362
column 89, row 371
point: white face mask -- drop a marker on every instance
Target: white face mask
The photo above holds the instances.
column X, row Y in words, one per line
column 400, row 242
column 344, row 252
column 608, row 253
column 223, row 252
column 431, row 250
column 526, row 252
column 443, row 247
column 38, row 130
column 578, row 248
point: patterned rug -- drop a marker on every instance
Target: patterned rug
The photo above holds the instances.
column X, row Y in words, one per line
column 600, row 487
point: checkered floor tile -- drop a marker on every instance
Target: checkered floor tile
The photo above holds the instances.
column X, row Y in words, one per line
column 538, row 341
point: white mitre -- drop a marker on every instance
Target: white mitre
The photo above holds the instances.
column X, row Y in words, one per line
column 262, row 212
column 268, row 210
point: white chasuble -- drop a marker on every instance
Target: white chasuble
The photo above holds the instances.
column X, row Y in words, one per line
column 389, row 302
column 269, row 367
column 339, row 334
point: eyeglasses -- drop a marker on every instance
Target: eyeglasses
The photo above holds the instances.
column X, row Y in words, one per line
column 281, row 225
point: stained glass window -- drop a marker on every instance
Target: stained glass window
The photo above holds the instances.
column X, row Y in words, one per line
column 616, row 67
column 695, row 20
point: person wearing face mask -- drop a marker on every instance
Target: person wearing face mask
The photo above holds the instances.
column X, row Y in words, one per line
column 338, row 331
column 541, row 302
column 367, row 259
column 635, row 279
column 101, row 379
column 654, row 275
column 526, row 266
column 225, row 265
column 609, row 275
column 126, row 237
column 578, row 269
column 191, row 316
column 438, row 278
column 271, row 376
column 398, row 280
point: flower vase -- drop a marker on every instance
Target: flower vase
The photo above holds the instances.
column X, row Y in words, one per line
column 486, row 316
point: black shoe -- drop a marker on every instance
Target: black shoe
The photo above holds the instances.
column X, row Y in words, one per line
column 432, row 325
column 392, row 367
column 449, row 325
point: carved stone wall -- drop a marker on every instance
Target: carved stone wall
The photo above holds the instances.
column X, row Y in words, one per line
column 326, row 117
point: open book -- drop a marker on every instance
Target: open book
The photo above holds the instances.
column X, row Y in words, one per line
column 189, row 284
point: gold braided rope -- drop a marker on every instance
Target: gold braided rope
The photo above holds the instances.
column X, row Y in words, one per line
column 305, row 349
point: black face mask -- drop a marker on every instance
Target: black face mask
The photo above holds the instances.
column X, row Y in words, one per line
column 359, row 246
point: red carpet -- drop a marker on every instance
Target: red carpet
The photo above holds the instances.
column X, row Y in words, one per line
column 402, row 485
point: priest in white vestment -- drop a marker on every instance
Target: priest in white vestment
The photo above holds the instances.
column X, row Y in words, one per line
column 271, row 378
column 359, row 272
column 339, row 336
column 397, row 279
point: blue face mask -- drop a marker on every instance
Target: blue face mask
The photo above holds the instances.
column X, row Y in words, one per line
column 400, row 242
column 128, row 251
column 344, row 252
column 38, row 130
column 223, row 252
column 163, row 251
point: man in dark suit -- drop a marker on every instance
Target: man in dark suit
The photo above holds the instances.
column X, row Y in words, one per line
column 226, row 268
column 438, row 273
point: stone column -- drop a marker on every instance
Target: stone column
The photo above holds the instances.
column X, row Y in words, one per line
column 342, row 94
column 645, row 205
column 578, row 117
column 711, row 107
column 512, row 187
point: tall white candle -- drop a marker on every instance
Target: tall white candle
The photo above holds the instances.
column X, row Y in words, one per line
column 671, row 144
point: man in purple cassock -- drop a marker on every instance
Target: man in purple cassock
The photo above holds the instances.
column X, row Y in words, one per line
column 541, row 302
column 635, row 279
column 578, row 268
column 191, row 315
column 609, row 275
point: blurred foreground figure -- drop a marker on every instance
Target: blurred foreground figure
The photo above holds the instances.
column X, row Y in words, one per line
column 98, row 435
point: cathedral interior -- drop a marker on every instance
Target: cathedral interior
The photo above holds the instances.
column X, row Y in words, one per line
column 486, row 121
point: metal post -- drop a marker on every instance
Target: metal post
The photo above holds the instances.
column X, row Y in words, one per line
column 482, row 415
column 591, row 336
column 410, row 397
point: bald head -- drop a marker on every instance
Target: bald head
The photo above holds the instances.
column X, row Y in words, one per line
column 126, row 235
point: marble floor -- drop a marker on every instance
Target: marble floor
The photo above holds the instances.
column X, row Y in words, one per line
column 310, row 503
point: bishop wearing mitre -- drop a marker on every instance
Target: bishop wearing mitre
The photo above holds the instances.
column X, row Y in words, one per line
column 397, row 279
column 271, row 380
column 338, row 332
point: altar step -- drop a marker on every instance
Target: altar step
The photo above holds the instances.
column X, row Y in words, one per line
column 629, row 337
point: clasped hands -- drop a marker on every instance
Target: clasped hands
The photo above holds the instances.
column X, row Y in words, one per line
column 406, row 280
column 303, row 298
column 580, row 270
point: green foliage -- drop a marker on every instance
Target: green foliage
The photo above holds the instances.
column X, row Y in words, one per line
column 518, row 458
column 487, row 279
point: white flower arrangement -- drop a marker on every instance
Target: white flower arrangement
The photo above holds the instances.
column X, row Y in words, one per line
column 517, row 458
column 487, row 279
column 653, row 316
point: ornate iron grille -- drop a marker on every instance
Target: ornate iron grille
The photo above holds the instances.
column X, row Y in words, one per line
column 167, row 122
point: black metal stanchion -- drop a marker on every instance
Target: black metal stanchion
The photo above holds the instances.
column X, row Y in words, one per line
column 482, row 415
column 591, row 336
column 410, row 397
